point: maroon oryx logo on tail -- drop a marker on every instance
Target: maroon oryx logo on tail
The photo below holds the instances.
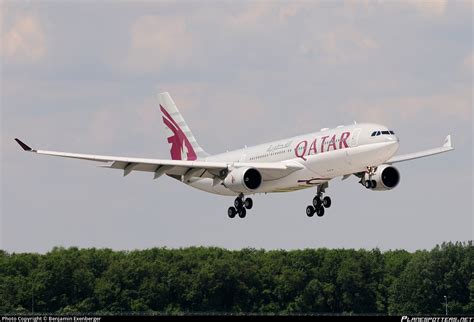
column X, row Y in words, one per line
column 181, row 148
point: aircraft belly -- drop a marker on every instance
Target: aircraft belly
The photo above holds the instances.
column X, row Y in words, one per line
column 295, row 181
column 206, row 184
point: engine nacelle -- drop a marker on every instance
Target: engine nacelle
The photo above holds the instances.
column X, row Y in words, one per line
column 386, row 177
column 243, row 180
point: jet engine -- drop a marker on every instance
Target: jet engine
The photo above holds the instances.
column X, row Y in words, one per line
column 386, row 177
column 243, row 180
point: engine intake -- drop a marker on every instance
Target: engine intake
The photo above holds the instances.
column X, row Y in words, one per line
column 386, row 177
column 243, row 180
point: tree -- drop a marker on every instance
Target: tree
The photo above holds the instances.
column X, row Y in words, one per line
column 199, row 279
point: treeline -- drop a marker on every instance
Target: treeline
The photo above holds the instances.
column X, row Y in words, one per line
column 218, row 280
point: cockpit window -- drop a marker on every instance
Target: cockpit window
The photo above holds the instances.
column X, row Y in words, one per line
column 377, row 133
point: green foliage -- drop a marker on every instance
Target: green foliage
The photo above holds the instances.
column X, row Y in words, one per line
column 429, row 276
column 201, row 279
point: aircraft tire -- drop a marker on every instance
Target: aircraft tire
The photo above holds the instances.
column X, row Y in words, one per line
column 320, row 211
column 248, row 203
column 231, row 212
column 316, row 202
column 327, row 202
column 238, row 203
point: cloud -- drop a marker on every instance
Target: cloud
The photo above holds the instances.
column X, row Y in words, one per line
column 24, row 41
column 3, row 14
column 454, row 104
column 345, row 45
column 289, row 10
column 156, row 41
column 252, row 16
column 468, row 62
column 430, row 7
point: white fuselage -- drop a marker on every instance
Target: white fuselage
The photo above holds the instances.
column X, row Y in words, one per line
column 324, row 155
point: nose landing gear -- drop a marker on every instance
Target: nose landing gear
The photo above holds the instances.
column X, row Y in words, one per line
column 240, row 207
column 319, row 203
column 366, row 178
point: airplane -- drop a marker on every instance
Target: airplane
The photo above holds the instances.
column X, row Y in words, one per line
column 365, row 150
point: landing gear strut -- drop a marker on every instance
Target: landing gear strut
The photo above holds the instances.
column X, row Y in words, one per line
column 366, row 178
column 319, row 203
column 240, row 207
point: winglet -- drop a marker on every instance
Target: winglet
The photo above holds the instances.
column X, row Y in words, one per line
column 447, row 142
column 23, row 145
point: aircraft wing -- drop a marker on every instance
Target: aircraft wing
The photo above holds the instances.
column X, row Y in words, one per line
column 187, row 169
column 447, row 146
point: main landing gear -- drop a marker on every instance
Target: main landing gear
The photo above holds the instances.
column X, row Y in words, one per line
column 240, row 207
column 319, row 203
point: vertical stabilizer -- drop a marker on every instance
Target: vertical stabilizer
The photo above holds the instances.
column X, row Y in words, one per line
column 183, row 143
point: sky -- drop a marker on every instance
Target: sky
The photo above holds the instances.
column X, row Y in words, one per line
column 83, row 76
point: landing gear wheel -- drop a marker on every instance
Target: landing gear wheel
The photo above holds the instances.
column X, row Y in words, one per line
column 238, row 203
column 248, row 203
column 327, row 202
column 320, row 211
column 374, row 184
column 310, row 211
column 242, row 213
column 316, row 202
column 231, row 212
column 368, row 184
